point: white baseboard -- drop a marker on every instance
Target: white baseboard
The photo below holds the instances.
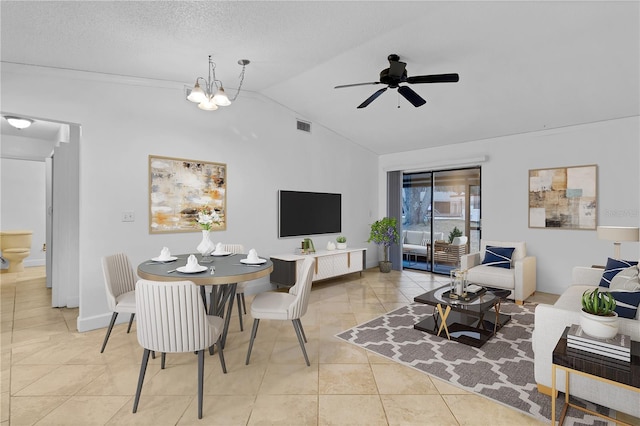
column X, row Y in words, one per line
column 99, row 321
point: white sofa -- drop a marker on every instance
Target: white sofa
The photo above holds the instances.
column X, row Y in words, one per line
column 550, row 322
column 520, row 279
column 415, row 242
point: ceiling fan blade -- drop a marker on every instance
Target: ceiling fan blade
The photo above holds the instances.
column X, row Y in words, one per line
column 434, row 78
column 372, row 97
column 356, row 84
column 396, row 68
column 415, row 99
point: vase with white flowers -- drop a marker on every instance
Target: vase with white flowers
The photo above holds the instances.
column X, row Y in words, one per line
column 207, row 218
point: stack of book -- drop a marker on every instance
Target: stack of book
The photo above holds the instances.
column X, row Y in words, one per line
column 618, row 348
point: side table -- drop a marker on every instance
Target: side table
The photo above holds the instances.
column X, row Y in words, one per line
column 588, row 366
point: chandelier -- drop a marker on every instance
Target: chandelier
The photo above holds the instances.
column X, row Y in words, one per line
column 209, row 94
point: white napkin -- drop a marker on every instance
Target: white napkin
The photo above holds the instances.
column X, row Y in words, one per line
column 253, row 256
column 164, row 253
column 218, row 248
column 192, row 263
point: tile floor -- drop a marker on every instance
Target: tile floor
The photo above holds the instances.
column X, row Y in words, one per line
column 53, row 375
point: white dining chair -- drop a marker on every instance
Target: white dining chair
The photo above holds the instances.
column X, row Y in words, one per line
column 241, row 286
column 119, row 282
column 285, row 306
column 172, row 319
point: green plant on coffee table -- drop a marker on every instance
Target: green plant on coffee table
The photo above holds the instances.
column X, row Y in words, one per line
column 455, row 232
column 341, row 239
column 599, row 303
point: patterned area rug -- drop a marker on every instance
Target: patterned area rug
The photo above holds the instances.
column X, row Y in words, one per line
column 501, row 370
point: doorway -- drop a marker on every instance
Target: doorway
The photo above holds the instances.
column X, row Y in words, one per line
column 440, row 218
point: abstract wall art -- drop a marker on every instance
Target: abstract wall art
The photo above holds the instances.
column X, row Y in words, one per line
column 179, row 188
column 563, row 197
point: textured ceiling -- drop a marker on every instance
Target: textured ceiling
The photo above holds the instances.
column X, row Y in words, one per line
column 524, row 66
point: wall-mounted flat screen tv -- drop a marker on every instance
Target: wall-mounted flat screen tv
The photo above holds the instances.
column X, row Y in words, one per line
column 309, row 213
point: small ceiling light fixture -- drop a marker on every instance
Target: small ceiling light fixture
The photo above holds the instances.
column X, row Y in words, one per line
column 18, row 122
column 209, row 94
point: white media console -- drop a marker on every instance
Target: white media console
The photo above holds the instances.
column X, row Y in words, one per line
column 329, row 264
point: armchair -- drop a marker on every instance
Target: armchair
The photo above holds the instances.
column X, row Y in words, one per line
column 520, row 279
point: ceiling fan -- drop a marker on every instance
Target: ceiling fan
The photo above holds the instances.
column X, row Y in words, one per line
column 396, row 74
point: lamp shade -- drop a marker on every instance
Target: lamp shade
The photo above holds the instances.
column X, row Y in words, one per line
column 618, row 233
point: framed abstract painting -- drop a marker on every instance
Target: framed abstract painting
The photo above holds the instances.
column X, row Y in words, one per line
column 563, row 197
column 179, row 188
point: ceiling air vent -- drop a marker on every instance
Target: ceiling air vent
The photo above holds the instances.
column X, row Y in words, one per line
column 305, row 126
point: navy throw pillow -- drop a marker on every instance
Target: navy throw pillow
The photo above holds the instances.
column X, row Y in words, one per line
column 626, row 303
column 611, row 270
column 498, row 256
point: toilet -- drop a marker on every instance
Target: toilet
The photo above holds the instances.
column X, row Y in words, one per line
column 15, row 246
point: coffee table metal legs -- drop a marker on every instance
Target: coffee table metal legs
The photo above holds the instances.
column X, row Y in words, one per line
column 443, row 318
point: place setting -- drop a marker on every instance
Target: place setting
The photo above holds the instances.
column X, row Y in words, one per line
column 220, row 252
column 192, row 266
column 164, row 257
column 252, row 259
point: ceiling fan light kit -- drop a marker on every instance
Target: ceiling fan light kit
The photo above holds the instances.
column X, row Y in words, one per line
column 210, row 95
column 397, row 74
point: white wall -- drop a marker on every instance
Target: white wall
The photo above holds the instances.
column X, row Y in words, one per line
column 125, row 121
column 612, row 145
column 23, row 202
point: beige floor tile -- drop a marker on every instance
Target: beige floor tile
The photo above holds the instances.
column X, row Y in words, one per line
column 290, row 379
column 418, row 410
column 395, row 379
column 24, row 375
column 119, row 380
column 294, row 410
column 219, row 410
column 346, row 379
column 466, row 409
column 5, row 404
column 28, row 410
column 334, row 351
column 63, row 380
column 85, row 410
column 350, row 410
column 153, row 410
column 239, row 381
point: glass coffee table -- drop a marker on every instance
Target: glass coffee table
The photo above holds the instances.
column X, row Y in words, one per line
column 472, row 323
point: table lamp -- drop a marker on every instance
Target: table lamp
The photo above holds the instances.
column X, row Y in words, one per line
column 618, row 234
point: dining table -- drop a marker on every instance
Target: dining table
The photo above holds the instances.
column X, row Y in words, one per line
column 221, row 272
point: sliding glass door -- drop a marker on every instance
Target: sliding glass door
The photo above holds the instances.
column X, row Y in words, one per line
column 440, row 218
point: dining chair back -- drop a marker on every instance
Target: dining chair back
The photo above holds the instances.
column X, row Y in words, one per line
column 285, row 306
column 119, row 282
column 171, row 319
column 241, row 286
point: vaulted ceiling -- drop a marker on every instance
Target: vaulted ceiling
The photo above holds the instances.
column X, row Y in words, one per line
column 523, row 66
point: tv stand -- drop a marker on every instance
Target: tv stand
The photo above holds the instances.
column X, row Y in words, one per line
column 329, row 264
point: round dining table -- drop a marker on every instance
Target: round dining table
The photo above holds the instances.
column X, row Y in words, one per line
column 222, row 273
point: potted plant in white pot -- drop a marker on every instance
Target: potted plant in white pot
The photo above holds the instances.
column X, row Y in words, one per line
column 384, row 233
column 598, row 317
column 342, row 242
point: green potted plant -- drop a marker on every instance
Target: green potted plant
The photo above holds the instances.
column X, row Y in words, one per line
column 455, row 232
column 384, row 233
column 342, row 242
column 599, row 318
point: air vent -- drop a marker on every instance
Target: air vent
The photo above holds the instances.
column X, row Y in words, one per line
column 304, row 126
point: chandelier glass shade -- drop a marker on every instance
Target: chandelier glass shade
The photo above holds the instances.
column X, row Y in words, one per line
column 209, row 94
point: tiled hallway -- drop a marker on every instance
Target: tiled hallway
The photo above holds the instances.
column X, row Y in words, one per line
column 53, row 375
